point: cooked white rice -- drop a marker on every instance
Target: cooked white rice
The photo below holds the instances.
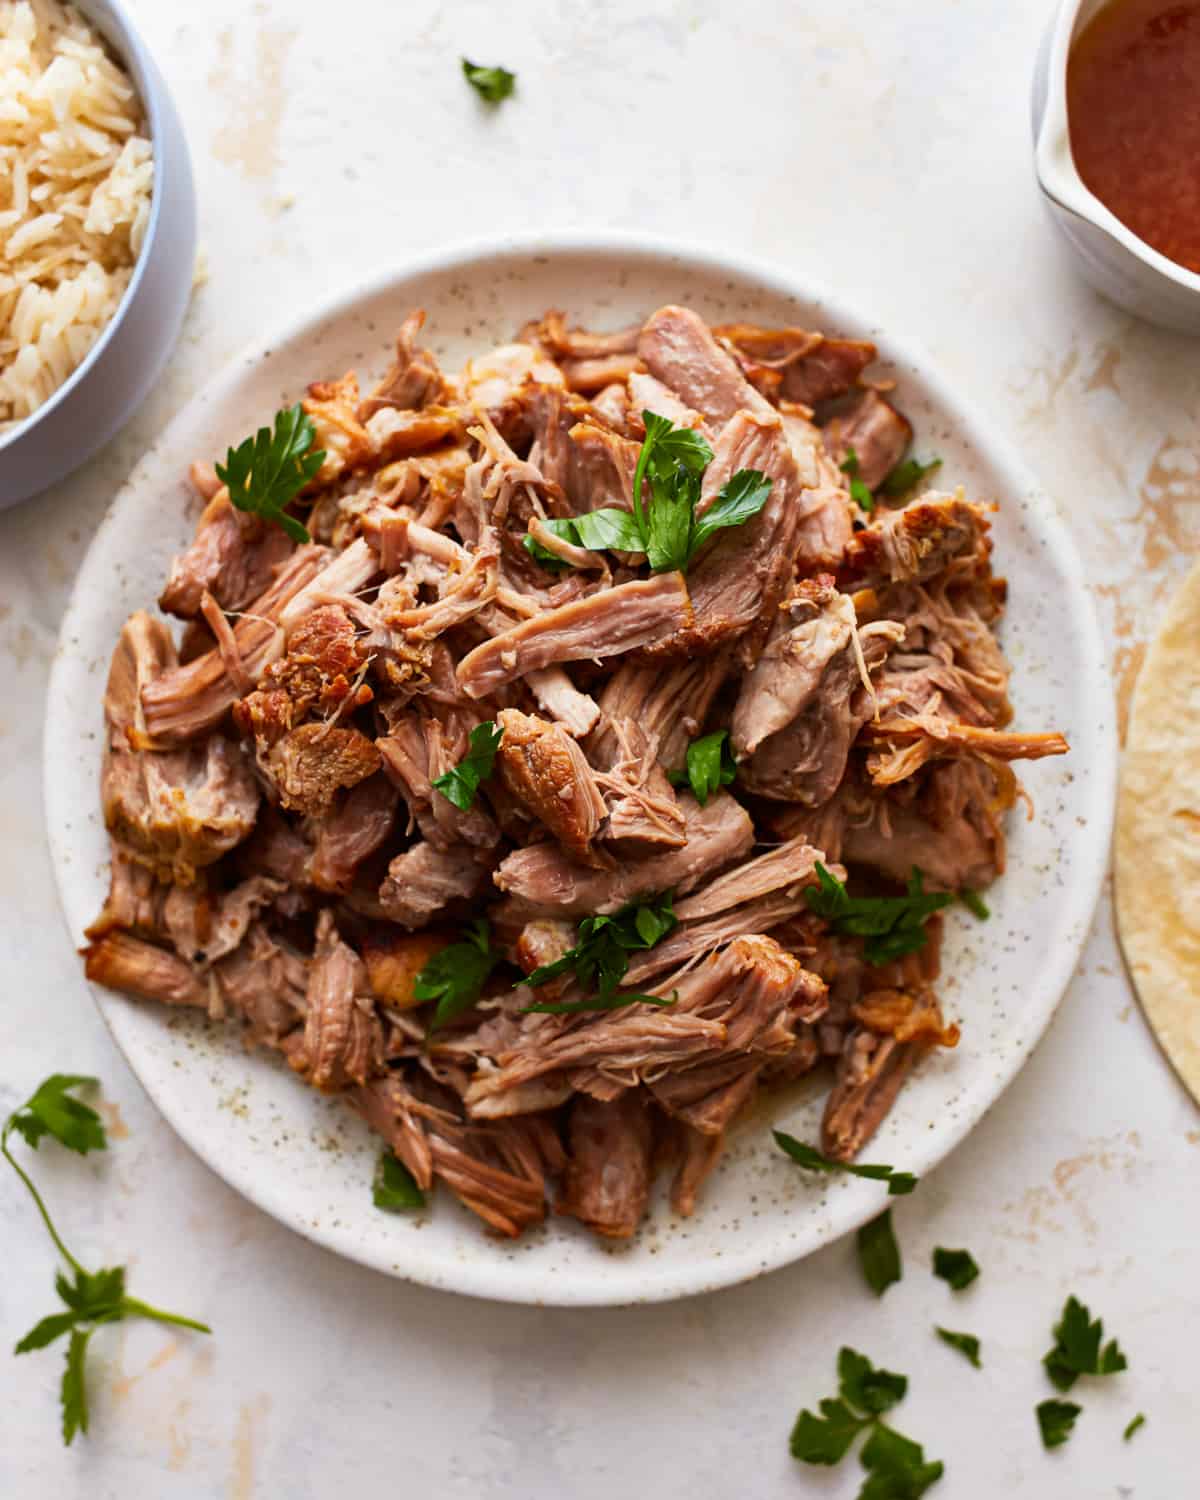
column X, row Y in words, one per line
column 76, row 171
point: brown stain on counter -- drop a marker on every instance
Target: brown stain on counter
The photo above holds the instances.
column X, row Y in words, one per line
column 114, row 1124
column 1170, row 503
column 251, row 1416
column 249, row 140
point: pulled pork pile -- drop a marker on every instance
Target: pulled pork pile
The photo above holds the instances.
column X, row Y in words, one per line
column 281, row 854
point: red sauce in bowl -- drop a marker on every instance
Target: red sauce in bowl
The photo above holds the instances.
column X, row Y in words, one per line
column 1133, row 111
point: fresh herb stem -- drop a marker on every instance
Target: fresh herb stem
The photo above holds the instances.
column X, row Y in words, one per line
column 37, row 1198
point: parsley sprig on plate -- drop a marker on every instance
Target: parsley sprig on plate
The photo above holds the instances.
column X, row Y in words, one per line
column 600, row 957
column 665, row 524
column 891, row 925
column 90, row 1298
column 269, row 470
column 896, row 1466
column 460, row 784
column 803, row 1155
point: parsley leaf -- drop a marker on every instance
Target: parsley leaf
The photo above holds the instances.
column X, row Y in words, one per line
column 492, row 84
column 1077, row 1348
column 1055, row 1420
column 896, row 1466
column 907, row 474
column 394, row 1187
column 50, row 1110
column 1138, row 1421
column 740, row 499
column 878, row 1253
column 270, row 469
column 671, row 461
column 859, row 492
column 974, row 903
column 865, row 1387
column 890, row 925
column 601, row 956
column 955, row 1266
column 966, row 1344
column 91, row 1298
column 597, row 530
column 710, row 765
column 455, row 977
column 461, row 782
column 825, row 1439
column 899, row 1183
column 73, row 1391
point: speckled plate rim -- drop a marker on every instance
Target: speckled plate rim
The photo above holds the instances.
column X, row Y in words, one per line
column 845, row 1203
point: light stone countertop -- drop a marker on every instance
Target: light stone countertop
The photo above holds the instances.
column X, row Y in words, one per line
column 882, row 149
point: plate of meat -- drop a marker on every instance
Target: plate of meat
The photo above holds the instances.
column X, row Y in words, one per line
column 570, row 739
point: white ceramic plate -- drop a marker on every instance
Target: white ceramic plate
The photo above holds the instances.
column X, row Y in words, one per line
column 306, row 1159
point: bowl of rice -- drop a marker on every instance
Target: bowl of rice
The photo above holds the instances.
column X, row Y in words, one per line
column 97, row 233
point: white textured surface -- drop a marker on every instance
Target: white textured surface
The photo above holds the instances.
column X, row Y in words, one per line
column 888, row 154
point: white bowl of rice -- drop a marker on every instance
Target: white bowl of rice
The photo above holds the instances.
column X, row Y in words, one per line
column 97, row 233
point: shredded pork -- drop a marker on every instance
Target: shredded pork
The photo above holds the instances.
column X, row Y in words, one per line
column 285, row 852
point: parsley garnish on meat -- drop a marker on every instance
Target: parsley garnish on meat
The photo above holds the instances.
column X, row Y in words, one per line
column 1138, row 1421
column 891, row 925
column 492, row 84
column 709, row 765
column 1077, row 1348
column 808, row 1156
column 600, row 957
column 966, row 1344
column 955, row 1266
column 1055, row 1421
column 878, row 1253
column 672, row 461
column 859, row 491
column 896, row 1466
column 270, row 469
column 907, row 474
column 455, row 977
column 461, row 782
column 394, row 1187
column 91, row 1298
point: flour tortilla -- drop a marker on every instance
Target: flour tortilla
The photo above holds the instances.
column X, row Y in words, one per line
column 1158, row 836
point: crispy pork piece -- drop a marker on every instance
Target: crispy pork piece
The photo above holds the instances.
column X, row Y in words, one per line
column 808, row 695
column 232, row 556
column 343, row 1042
column 870, row 1073
column 175, row 811
column 917, row 541
column 545, row 770
column 796, row 364
column 352, row 831
column 332, row 405
column 122, row 962
column 609, row 1164
column 875, row 430
column 265, row 982
column 310, row 765
column 423, row 880
column 540, row 881
column 414, row 378
column 609, row 623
